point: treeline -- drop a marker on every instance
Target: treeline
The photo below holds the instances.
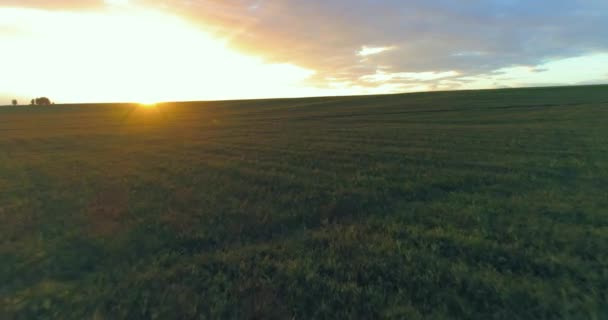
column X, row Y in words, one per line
column 42, row 101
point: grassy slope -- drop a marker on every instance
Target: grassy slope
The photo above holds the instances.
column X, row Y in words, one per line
column 459, row 205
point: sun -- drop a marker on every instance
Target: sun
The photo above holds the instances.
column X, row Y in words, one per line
column 147, row 104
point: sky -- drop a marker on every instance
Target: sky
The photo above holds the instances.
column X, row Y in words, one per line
column 179, row 50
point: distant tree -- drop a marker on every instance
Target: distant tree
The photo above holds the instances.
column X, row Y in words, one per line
column 33, row 102
column 15, row 102
column 42, row 101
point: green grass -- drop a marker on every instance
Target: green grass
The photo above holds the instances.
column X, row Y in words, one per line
column 459, row 205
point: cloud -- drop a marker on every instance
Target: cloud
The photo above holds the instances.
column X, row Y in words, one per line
column 348, row 41
column 381, row 76
column 368, row 51
column 589, row 69
column 470, row 37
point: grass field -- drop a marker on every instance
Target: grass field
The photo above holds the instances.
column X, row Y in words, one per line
column 459, row 205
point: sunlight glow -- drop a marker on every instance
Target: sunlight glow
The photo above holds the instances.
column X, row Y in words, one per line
column 129, row 54
column 117, row 2
column 133, row 51
column 147, row 104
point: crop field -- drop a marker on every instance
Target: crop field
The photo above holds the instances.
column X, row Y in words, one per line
column 456, row 205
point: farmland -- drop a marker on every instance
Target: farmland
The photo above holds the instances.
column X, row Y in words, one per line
column 463, row 205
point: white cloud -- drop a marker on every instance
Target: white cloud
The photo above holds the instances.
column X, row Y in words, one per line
column 381, row 76
column 368, row 51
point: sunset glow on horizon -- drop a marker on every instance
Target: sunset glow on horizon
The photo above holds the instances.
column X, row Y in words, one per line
column 154, row 51
column 131, row 54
